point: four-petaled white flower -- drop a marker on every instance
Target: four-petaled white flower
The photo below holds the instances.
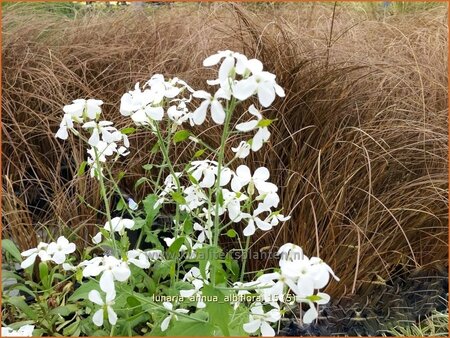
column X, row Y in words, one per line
column 117, row 224
column 260, row 82
column 110, row 268
column 59, row 249
column 263, row 133
column 97, row 318
column 165, row 323
column 32, row 254
column 242, row 150
column 217, row 111
column 140, row 106
column 259, row 320
column 243, row 177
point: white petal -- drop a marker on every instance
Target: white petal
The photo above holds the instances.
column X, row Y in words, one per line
column 310, row 315
column 250, row 228
column 107, row 282
column 247, row 126
column 245, row 88
column 244, row 173
column 122, row 272
column 255, row 66
column 266, row 94
column 94, row 296
column 97, row 318
column 267, row 330
column 199, row 115
column 252, row 326
column 217, row 112
column 97, row 238
column 325, row 298
column 62, row 133
column 262, row 173
column 95, row 138
column 29, row 261
column 263, row 225
column 112, row 316
column 59, row 257
column 165, row 323
column 212, row 60
column 305, row 287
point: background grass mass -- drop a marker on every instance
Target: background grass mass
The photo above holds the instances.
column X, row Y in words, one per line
column 359, row 147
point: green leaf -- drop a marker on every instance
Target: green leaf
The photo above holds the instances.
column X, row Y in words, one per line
column 174, row 248
column 9, row 274
column 147, row 166
column 155, row 148
column 140, row 182
column 190, row 328
column 133, row 302
column 181, row 135
column 219, row 311
column 265, row 123
column 43, row 274
column 231, row 233
column 20, row 304
column 82, row 168
column 64, row 310
column 150, row 210
column 128, row 131
column 83, row 291
column 178, row 197
column 11, row 248
column 199, row 153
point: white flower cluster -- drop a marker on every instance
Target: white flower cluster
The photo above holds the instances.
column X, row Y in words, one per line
column 23, row 331
column 54, row 251
column 300, row 277
column 104, row 137
column 245, row 189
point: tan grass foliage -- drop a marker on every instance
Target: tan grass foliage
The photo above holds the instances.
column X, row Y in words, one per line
column 359, row 148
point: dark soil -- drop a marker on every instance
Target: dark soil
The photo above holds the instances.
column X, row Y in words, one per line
column 403, row 300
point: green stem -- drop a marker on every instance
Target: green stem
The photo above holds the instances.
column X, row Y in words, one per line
column 244, row 262
column 216, row 231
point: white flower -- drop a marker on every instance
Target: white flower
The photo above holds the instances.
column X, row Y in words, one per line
column 118, row 224
column 109, row 133
column 111, row 268
column 23, row 331
column 84, row 108
column 138, row 258
column 252, row 220
column 261, row 82
column 259, row 320
column 205, row 231
column 261, row 136
column 65, row 124
column 194, row 197
column 97, row 318
column 132, row 204
column 244, row 177
column 217, row 111
column 205, row 173
column 232, row 63
column 165, row 323
column 232, row 202
column 59, row 249
column 242, row 150
column 40, row 250
column 139, row 105
column 180, row 114
column 196, row 291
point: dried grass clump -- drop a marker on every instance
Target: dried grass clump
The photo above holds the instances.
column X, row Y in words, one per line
column 359, row 149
